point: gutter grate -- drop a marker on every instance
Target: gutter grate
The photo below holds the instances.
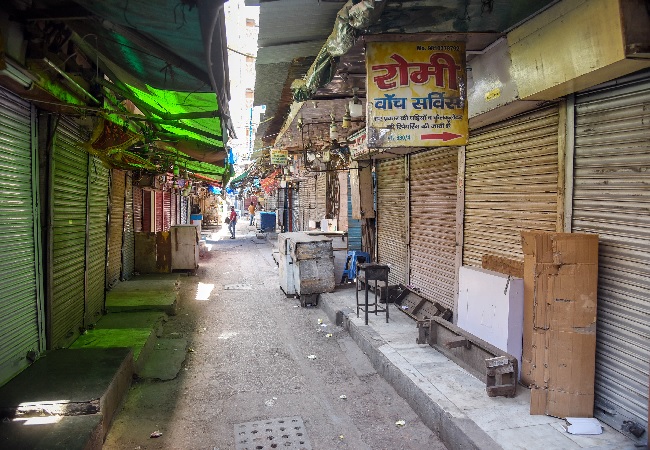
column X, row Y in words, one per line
column 283, row 433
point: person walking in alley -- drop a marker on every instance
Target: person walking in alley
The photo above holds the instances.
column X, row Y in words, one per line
column 233, row 222
column 251, row 211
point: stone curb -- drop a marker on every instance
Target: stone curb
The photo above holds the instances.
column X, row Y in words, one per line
column 456, row 433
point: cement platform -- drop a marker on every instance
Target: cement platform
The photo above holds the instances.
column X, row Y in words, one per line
column 448, row 399
column 145, row 293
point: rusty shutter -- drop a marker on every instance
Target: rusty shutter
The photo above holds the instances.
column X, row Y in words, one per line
column 68, row 185
column 511, row 176
column 432, row 229
column 147, row 219
column 611, row 198
column 116, row 227
column 391, row 218
column 128, row 239
column 137, row 209
column 307, row 190
column 158, row 210
column 167, row 210
column 21, row 303
column 98, row 181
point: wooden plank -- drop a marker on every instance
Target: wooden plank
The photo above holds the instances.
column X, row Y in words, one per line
column 507, row 266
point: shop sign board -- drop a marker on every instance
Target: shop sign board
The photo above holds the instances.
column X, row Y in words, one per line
column 417, row 94
column 279, row 157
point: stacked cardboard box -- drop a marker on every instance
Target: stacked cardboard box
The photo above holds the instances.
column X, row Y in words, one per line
column 559, row 339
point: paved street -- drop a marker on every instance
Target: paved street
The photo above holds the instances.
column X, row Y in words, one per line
column 256, row 356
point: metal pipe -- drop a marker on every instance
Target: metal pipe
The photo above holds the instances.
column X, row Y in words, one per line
column 76, row 85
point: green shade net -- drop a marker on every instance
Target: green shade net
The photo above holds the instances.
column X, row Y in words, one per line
column 160, row 103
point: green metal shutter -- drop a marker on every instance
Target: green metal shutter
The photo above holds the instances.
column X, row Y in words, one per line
column 98, row 178
column 115, row 228
column 128, row 242
column 68, row 186
column 21, row 323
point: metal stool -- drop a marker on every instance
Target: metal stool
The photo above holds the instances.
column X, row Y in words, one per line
column 371, row 272
column 353, row 258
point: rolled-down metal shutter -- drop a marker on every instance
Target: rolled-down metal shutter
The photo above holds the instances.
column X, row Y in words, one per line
column 147, row 211
column 184, row 214
column 321, row 197
column 21, row 310
column 354, row 225
column 167, row 211
column 116, row 228
column 174, row 204
column 611, row 198
column 391, row 218
column 98, row 180
column 128, row 239
column 308, row 205
column 158, row 210
column 511, row 173
column 137, row 209
column 432, row 182
column 69, row 182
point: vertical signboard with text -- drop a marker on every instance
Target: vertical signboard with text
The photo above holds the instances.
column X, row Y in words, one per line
column 417, row 94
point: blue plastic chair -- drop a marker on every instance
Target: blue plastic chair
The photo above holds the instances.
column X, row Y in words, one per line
column 354, row 257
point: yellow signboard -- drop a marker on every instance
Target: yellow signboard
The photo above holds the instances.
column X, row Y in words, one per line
column 417, row 94
column 279, row 157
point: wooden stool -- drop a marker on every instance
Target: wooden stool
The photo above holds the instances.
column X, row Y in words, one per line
column 371, row 272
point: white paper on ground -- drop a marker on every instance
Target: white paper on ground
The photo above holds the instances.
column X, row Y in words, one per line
column 583, row 425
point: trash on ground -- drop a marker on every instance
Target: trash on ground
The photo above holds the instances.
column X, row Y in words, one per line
column 583, row 425
column 343, row 397
column 404, row 307
column 312, row 357
column 155, row 434
column 341, row 437
column 190, row 350
column 400, row 423
column 328, row 335
column 323, row 325
column 320, row 321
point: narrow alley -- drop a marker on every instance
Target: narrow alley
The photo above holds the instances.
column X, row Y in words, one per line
column 249, row 360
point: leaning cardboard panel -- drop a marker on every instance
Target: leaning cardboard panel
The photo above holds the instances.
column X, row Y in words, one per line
column 560, row 290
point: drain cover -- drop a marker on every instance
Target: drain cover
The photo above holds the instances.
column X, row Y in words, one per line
column 282, row 433
column 237, row 287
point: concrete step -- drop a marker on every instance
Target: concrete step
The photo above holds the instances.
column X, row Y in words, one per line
column 165, row 361
column 53, row 433
column 141, row 300
column 66, row 383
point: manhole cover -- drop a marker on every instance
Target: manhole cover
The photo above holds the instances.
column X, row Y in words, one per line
column 282, row 433
column 237, row 287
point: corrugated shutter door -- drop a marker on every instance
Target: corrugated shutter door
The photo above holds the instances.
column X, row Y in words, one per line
column 116, row 227
column 174, row 204
column 432, row 267
column 354, row 225
column 511, row 173
column 391, row 218
column 308, row 205
column 184, row 215
column 158, row 210
column 20, row 319
column 137, row 209
column 69, row 184
column 321, row 197
column 611, row 198
column 167, row 211
column 128, row 240
column 98, row 180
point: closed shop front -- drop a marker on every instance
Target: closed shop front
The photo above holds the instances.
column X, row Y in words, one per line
column 307, row 192
column 21, row 303
column 511, row 177
column 116, row 227
column 321, row 197
column 391, row 218
column 68, row 188
column 174, row 209
column 167, row 210
column 354, row 225
column 611, row 198
column 184, row 211
column 148, row 213
column 128, row 244
column 432, row 185
column 98, row 181
column 158, row 210
column 137, row 210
